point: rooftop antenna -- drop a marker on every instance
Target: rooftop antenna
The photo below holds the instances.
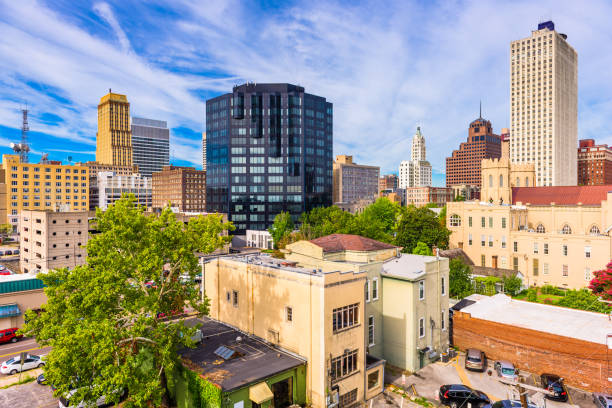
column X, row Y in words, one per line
column 480, row 114
column 23, row 148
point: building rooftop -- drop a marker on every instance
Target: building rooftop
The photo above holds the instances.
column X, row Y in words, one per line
column 577, row 324
column 346, row 242
column 253, row 359
column 276, row 263
column 407, row 266
column 561, row 195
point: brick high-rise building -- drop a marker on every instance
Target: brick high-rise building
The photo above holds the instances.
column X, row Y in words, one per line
column 352, row 181
column 182, row 187
column 544, row 105
column 114, row 137
column 594, row 163
column 388, row 182
column 463, row 167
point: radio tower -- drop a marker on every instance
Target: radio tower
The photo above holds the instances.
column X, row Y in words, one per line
column 23, row 153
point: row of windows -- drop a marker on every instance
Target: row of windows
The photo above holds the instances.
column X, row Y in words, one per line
column 48, row 170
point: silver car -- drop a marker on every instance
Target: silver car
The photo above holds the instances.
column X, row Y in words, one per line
column 602, row 400
column 505, row 369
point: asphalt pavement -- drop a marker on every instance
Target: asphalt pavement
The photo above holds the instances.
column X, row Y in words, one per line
column 26, row 344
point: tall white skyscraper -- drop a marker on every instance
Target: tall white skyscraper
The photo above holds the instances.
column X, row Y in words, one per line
column 417, row 171
column 150, row 145
column 544, row 105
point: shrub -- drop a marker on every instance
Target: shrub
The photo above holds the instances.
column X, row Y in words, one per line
column 532, row 295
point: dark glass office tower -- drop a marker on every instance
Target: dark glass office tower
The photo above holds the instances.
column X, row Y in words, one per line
column 268, row 149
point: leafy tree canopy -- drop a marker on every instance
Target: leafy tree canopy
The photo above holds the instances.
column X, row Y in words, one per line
column 323, row 221
column 282, row 227
column 583, row 299
column 101, row 318
column 512, row 285
column 421, row 248
column 379, row 220
column 421, row 224
column 460, row 279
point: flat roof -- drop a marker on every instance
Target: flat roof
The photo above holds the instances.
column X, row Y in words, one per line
column 407, row 266
column 276, row 263
column 577, row 324
column 256, row 359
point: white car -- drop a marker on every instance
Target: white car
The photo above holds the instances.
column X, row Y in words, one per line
column 13, row 366
column 64, row 402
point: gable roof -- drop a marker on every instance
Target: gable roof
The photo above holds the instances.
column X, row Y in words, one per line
column 561, row 195
column 347, row 242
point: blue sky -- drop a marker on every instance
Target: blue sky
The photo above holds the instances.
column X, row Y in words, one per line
column 386, row 69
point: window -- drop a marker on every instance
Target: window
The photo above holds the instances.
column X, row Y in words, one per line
column 515, row 263
column 421, row 327
column 503, row 241
column 348, row 398
column 470, row 221
column 483, row 260
column 482, row 240
column 490, row 180
column 367, row 290
column 345, row 317
column 455, row 220
column 442, row 286
column 375, row 289
column 587, row 251
column 587, row 274
column 594, row 230
column 535, row 267
column 535, row 247
column 442, row 321
column 540, row 229
column 421, row 290
column 227, row 295
column 490, row 222
column 482, row 222
column 545, row 248
column 503, row 222
column 566, row 229
column 564, row 250
column 371, row 330
column 501, row 180
column 565, row 270
column 545, row 269
column 344, row 365
column 289, row 314
column 234, row 298
column 373, row 380
column 515, row 246
column 490, row 240
column 470, row 238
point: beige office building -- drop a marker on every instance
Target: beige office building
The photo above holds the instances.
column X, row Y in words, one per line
column 52, row 240
column 552, row 235
column 114, row 137
column 352, row 181
column 544, row 105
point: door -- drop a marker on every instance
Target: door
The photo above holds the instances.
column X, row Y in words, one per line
column 494, row 259
column 29, row 363
column 283, row 393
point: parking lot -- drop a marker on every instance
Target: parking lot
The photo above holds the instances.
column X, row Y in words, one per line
column 428, row 380
column 28, row 396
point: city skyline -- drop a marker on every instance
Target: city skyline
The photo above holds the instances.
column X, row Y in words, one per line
column 384, row 90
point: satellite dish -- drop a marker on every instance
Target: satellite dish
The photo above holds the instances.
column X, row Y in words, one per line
column 69, row 158
column 12, row 145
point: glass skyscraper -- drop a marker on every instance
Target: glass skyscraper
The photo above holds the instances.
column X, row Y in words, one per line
column 150, row 145
column 268, row 149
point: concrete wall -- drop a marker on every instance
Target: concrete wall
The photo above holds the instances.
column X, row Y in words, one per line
column 580, row 363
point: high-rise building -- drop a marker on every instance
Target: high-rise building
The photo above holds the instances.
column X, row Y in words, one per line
column 204, row 151
column 354, row 182
column 417, row 171
column 269, row 149
column 114, row 137
column 463, row 167
column 387, row 182
column 544, row 105
column 183, row 188
column 594, row 163
column 111, row 187
column 96, row 168
column 150, row 145
column 41, row 186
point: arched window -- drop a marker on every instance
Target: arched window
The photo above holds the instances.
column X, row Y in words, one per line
column 566, row 229
column 518, row 182
column 501, row 180
column 490, row 180
column 526, row 181
column 540, row 229
column 594, row 230
column 455, row 220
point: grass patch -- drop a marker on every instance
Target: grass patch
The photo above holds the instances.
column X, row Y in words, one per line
column 25, row 380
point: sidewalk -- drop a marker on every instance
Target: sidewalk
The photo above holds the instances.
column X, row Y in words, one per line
column 13, row 379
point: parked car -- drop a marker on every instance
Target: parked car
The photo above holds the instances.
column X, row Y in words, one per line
column 458, row 395
column 13, row 366
column 15, row 252
column 41, row 380
column 5, row 272
column 64, row 402
column 509, row 404
column 505, row 369
column 8, row 252
column 554, row 384
column 2, row 267
column 475, row 360
column 10, row 335
column 602, row 400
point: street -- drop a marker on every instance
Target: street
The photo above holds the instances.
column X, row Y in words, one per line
column 26, row 344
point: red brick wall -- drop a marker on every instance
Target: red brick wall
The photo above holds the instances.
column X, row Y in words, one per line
column 582, row 364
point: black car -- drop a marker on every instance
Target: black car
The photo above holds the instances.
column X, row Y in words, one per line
column 41, row 379
column 457, row 395
column 554, row 384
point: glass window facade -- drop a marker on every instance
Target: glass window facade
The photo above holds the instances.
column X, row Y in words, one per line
column 150, row 145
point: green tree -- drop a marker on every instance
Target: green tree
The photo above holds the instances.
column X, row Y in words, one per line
column 323, row 221
column 420, row 224
column 512, row 284
column 379, row 220
column 601, row 284
column 5, row 229
column 460, row 279
column 421, row 248
column 583, row 299
column 442, row 217
column 282, row 227
column 101, row 318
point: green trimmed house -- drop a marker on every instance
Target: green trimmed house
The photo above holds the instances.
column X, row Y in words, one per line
column 231, row 369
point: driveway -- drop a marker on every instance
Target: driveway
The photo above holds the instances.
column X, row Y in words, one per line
column 29, row 395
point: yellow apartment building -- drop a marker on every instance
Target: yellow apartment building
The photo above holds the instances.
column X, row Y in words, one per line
column 406, row 296
column 42, row 186
column 316, row 314
column 552, row 235
column 114, row 137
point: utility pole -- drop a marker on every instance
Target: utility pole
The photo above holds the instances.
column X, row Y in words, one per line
column 522, row 389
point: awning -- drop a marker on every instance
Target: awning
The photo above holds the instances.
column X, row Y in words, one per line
column 9, row 310
column 260, row 393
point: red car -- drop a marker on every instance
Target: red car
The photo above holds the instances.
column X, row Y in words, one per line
column 9, row 335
